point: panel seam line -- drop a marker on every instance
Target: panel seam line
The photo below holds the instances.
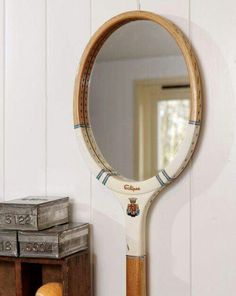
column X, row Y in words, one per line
column 4, row 104
column 46, row 100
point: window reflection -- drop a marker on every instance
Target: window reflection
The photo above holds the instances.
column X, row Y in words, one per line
column 172, row 118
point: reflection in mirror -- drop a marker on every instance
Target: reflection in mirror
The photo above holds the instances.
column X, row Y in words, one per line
column 139, row 99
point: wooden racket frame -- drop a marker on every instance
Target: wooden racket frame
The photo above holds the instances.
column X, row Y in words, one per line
column 139, row 193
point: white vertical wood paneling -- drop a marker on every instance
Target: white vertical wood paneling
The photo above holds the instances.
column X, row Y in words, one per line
column 175, row 10
column 168, row 231
column 109, row 242
column 40, row 142
column 214, row 171
column 2, row 98
column 108, row 217
column 103, row 10
column 67, row 34
column 169, row 219
column 25, row 97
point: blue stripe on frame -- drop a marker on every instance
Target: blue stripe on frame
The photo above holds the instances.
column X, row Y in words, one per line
column 194, row 122
column 100, row 174
column 166, row 175
column 106, row 179
column 108, row 176
column 80, row 125
column 160, row 180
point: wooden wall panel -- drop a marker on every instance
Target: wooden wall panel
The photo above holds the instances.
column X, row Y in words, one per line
column 2, row 97
column 177, row 11
column 68, row 31
column 214, row 173
column 25, row 98
column 108, row 242
column 191, row 237
column 103, row 10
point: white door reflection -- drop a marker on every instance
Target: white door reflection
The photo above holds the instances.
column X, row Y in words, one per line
column 161, row 117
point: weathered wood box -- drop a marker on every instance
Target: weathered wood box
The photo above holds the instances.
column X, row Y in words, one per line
column 8, row 243
column 33, row 213
column 23, row 276
column 56, row 242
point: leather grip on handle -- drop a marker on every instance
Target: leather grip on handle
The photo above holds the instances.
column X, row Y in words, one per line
column 135, row 276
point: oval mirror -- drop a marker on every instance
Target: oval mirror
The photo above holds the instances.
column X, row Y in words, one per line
column 139, row 99
column 137, row 112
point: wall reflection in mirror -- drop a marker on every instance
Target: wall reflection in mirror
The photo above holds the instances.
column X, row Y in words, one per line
column 139, row 99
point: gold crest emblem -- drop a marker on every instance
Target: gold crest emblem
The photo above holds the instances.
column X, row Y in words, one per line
column 133, row 208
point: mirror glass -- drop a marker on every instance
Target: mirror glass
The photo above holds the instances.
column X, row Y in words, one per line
column 139, row 99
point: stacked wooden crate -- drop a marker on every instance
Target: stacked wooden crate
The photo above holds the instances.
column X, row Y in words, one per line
column 33, row 229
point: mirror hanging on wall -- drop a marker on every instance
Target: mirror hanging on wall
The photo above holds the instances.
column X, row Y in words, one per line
column 133, row 116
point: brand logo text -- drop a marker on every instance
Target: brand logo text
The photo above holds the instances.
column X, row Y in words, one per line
column 131, row 188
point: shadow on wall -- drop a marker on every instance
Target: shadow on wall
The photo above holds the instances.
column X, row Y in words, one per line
column 170, row 269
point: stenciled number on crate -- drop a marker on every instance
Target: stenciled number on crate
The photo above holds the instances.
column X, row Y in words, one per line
column 5, row 246
column 38, row 248
column 17, row 219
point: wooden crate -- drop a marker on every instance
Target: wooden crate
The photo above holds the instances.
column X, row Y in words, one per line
column 23, row 276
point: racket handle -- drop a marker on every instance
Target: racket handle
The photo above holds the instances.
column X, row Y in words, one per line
column 135, row 276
